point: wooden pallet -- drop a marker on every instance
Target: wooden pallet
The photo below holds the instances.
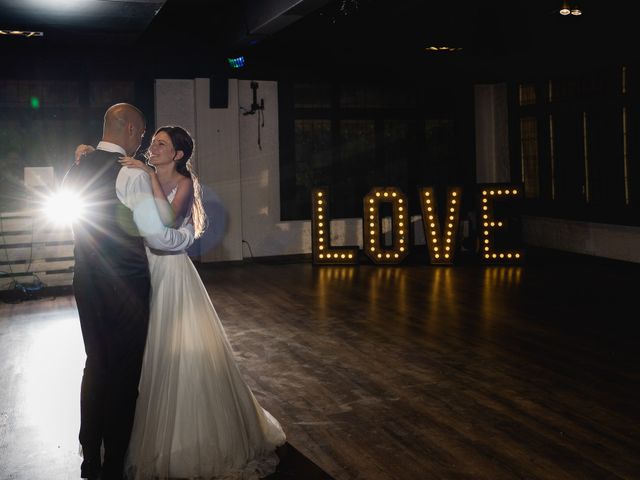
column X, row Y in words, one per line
column 34, row 252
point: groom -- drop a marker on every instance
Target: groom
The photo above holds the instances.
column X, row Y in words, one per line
column 111, row 286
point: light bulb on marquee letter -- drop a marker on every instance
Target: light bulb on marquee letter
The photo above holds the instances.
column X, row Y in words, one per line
column 488, row 223
column 441, row 248
column 322, row 251
column 399, row 225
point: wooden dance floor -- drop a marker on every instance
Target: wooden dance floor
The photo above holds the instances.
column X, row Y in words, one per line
column 376, row 373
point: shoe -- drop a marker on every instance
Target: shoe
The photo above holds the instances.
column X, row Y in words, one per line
column 90, row 469
column 109, row 473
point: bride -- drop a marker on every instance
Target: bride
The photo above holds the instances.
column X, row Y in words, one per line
column 195, row 416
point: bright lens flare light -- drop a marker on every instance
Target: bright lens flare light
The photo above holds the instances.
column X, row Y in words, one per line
column 64, row 207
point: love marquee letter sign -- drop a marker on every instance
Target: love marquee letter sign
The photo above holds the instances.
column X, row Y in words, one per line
column 440, row 231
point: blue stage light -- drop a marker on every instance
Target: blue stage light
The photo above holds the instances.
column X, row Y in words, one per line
column 236, row 62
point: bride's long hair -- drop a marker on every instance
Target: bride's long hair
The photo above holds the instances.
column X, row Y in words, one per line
column 183, row 141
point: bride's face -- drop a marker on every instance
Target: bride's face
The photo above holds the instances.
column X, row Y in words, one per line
column 161, row 150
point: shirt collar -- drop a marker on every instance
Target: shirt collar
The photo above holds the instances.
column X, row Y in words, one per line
column 110, row 147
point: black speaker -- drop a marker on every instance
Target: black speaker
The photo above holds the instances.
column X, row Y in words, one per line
column 218, row 92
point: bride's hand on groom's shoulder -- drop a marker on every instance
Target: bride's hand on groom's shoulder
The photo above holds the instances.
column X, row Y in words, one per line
column 82, row 150
column 135, row 163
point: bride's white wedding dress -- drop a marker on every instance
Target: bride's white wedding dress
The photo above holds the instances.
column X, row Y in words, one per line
column 195, row 416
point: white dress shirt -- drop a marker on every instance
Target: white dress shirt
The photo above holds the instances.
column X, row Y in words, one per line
column 133, row 188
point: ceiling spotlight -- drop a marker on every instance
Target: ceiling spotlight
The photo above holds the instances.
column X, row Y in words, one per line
column 21, row 33
column 570, row 8
column 442, row 49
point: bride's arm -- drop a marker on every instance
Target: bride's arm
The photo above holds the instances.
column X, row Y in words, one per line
column 183, row 199
column 82, row 150
column 172, row 213
column 164, row 207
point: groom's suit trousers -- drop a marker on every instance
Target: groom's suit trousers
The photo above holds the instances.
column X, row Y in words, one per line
column 114, row 313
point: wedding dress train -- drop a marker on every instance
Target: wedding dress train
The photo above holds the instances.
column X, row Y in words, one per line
column 195, row 416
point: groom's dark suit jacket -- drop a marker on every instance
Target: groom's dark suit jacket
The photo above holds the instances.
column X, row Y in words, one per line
column 108, row 240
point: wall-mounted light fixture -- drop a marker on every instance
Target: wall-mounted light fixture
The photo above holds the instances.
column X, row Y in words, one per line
column 255, row 106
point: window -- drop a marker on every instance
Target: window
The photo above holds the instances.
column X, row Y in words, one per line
column 578, row 153
column 529, row 156
column 351, row 138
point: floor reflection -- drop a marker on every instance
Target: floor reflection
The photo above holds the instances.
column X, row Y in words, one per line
column 387, row 294
column 42, row 356
column 497, row 283
column 331, row 281
column 52, row 371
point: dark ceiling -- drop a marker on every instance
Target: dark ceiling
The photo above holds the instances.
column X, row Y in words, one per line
column 499, row 38
column 79, row 22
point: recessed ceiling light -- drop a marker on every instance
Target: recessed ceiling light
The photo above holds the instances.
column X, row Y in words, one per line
column 442, row 49
column 569, row 7
column 21, row 33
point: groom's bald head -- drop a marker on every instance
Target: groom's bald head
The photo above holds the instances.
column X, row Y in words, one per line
column 124, row 125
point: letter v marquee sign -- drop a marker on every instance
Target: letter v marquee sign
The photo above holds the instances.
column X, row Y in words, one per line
column 441, row 247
